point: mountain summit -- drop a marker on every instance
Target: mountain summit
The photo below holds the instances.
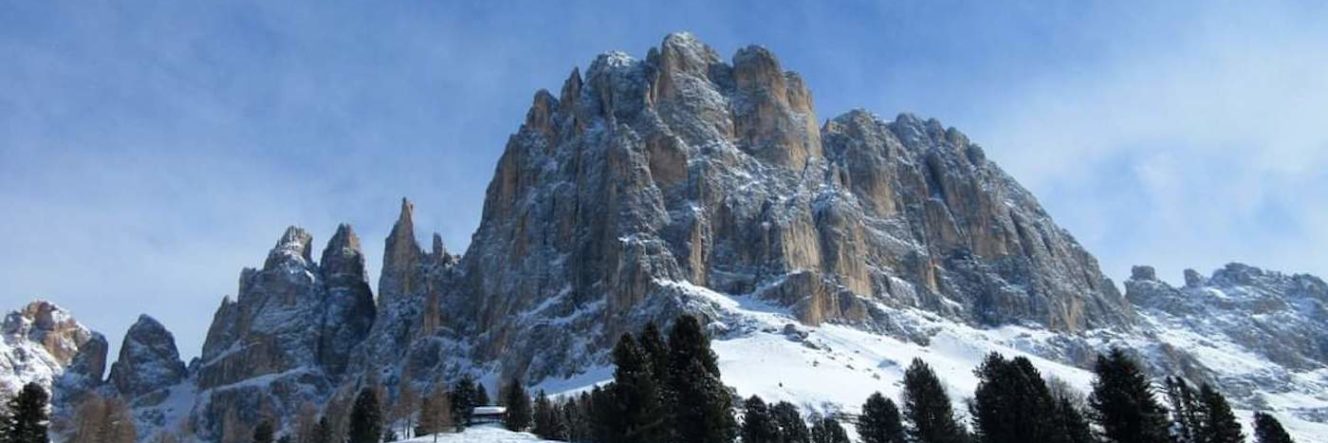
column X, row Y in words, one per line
column 682, row 182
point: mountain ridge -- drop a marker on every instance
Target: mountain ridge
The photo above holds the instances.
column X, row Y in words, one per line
column 685, row 183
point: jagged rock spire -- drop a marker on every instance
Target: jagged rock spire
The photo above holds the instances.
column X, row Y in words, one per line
column 148, row 360
column 349, row 303
column 401, row 258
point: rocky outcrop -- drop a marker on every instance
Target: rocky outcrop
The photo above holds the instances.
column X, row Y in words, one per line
column 684, row 168
column 287, row 337
column 1278, row 316
column 43, row 343
column 148, row 360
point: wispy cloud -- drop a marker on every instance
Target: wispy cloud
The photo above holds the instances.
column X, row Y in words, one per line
column 149, row 150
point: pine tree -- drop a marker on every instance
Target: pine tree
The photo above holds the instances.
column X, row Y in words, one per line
column 828, row 430
column 603, row 413
column 517, row 417
column 28, row 420
column 638, row 416
column 366, row 418
column 482, row 395
column 263, row 433
column 792, row 428
column 1268, row 430
column 1219, row 424
column 701, row 406
column 657, row 353
column 927, row 407
column 758, row 426
column 546, row 418
column 1185, row 410
column 574, row 416
column 1072, row 422
column 880, row 422
column 463, row 399
column 1013, row 404
column 1123, row 403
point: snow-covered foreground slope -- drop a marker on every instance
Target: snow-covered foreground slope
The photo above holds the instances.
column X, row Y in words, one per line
column 478, row 434
column 764, row 351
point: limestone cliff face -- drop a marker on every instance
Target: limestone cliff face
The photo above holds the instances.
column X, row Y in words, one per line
column 1278, row 316
column 43, row 343
column 287, row 337
column 685, row 168
column 148, row 360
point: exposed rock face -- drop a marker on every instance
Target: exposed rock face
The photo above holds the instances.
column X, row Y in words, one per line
column 684, row 168
column 1281, row 317
column 42, row 343
column 148, row 360
column 292, row 327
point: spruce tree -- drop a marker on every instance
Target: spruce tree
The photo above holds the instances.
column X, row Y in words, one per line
column 702, row 408
column 657, row 353
column 880, row 422
column 1072, row 423
column 828, row 430
column 1219, row 424
column 463, row 399
column 1268, row 430
column 574, row 415
column 639, row 416
column 1123, row 403
column 758, row 426
column 548, row 419
column 263, row 433
column 603, row 413
column 927, row 407
column 792, row 428
column 518, row 415
column 27, row 420
column 1185, row 410
column 366, row 418
column 1013, row 404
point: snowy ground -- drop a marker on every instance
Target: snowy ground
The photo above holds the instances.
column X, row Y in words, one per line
column 478, row 434
column 832, row 368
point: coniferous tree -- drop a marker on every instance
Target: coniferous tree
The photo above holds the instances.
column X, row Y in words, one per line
column 1012, row 403
column 1185, row 410
column 518, row 415
column 366, row 418
column 758, row 426
column 1072, row 422
column 603, row 413
column 638, row 416
column 1123, row 403
column 27, row 418
column 548, row 420
column 1268, row 430
column 263, row 433
column 828, row 430
column 792, row 429
column 927, row 407
column 1219, row 425
column 574, row 419
column 657, row 353
column 701, row 406
column 880, row 422
column 463, row 399
column 285, row 439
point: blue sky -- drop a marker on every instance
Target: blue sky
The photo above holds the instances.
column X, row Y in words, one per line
column 149, row 150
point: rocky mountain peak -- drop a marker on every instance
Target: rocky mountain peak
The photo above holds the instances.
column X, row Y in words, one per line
column 148, row 361
column 294, row 247
column 342, row 257
column 401, row 258
column 44, row 323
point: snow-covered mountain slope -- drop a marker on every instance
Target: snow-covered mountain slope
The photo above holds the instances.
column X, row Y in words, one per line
column 478, row 434
column 765, row 351
column 39, row 342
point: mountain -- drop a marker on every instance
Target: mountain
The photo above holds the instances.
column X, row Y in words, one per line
column 42, row 342
column 822, row 255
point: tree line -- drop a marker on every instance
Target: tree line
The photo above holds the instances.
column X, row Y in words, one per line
column 668, row 389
